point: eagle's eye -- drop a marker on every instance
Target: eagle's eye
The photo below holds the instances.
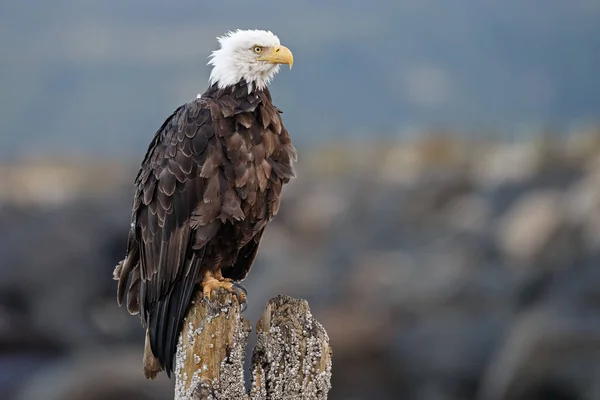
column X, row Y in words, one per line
column 257, row 49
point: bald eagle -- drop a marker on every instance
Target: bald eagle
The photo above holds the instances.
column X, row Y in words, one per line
column 207, row 187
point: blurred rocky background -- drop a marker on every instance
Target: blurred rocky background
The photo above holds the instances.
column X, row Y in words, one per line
column 442, row 269
column 444, row 225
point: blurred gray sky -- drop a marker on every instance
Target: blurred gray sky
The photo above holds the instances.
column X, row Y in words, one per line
column 100, row 76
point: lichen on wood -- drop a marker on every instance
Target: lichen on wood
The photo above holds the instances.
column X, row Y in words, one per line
column 291, row 359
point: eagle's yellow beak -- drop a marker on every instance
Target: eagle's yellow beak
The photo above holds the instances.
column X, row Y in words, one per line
column 278, row 55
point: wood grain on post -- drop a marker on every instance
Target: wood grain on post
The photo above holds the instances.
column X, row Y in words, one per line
column 291, row 359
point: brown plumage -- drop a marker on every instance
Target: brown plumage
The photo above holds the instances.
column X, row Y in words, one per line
column 210, row 182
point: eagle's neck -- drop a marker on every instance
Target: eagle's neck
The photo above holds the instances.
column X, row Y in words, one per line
column 228, row 72
column 239, row 90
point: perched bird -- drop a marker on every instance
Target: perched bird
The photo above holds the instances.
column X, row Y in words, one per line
column 209, row 184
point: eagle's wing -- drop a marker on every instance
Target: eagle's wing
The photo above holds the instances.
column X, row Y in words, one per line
column 245, row 258
column 163, row 246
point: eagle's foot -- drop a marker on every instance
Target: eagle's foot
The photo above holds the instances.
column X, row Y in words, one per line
column 242, row 295
column 211, row 283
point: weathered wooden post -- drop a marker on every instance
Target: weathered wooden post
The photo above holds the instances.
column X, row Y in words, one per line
column 291, row 359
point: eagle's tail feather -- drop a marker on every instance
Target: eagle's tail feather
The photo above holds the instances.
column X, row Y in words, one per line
column 166, row 320
column 151, row 364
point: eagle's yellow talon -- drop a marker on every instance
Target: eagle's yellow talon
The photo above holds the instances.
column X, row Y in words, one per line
column 211, row 283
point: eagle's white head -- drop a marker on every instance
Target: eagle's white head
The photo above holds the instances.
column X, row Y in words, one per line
column 253, row 55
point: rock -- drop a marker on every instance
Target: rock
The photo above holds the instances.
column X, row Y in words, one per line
column 110, row 374
column 507, row 163
column 66, row 276
column 315, row 211
column 17, row 368
column 540, row 350
column 400, row 165
column 469, row 213
column 531, row 226
column 447, row 345
column 582, row 201
column 411, row 281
